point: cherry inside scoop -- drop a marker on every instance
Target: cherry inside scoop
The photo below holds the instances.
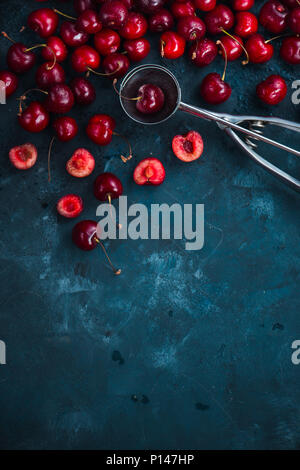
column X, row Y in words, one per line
column 151, row 99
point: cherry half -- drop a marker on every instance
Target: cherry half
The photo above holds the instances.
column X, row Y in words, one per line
column 188, row 147
column 149, row 171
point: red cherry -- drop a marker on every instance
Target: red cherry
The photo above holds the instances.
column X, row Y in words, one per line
column 246, row 24
column 258, row 49
column 214, row 90
column 172, row 45
column 161, row 21
column 203, row 52
column 66, row 128
column 273, row 16
column 89, row 22
column 107, row 41
column 180, row 9
column 233, row 48
column 100, row 129
column 19, row 59
column 290, row 3
column 242, row 5
column 71, row 36
column 70, row 206
column 113, row 14
column 23, row 156
column 10, row 80
column 137, row 49
column 149, row 171
column 85, row 58
column 191, row 28
column 107, row 186
column 205, row 5
column 81, row 164
column 188, row 147
column 290, row 50
column 135, row 27
column 149, row 7
column 81, row 5
column 48, row 75
column 56, row 45
column 34, row 118
column 60, row 99
column 221, row 17
column 272, row 90
column 43, row 21
column 115, row 65
column 151, row 99
column 83, row 90
column 84, row 235
column 294, row 20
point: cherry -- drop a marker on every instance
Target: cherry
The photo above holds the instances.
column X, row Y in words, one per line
column 221, row 17
column 191, row 28
column 272, row 90
column 203, row 52
column 85, row 58
column 81, row 5
column 107, row 41
column 242, row 5
column 81, row 164
column 100, row 129
column 34, row 118
column 273, row 16
column 205, row 5
column 107, row 186
column 259, row 50
column 10, row 81
column 66, row 128
column 48, row 74
column 181, row 9
column 290, row 3
column 113, row 14
column 89, row 22
column 294, row 20
column 188, row 147
column 171, row 45
column 71, row 36
column 151, row 99
column 214, row 90
column 246, row 24
column 290, row 50
column 149, row 171
column 115, row 65
column 60, row 99
column 232, row 45
column 19, row 58
column 135, row 27
column 23, row 156
column 149, row 6
column 56, row 46
column 161, row 21
column 43, row 21
column 137, row 49
column 70, row 206
column 83, row 90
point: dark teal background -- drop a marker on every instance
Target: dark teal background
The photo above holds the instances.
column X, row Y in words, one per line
column 183, row 350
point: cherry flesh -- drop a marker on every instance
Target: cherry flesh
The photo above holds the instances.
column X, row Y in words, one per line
column 66, row 128
column 23, row 156
column 60, row 99
column 83, row 90
column 214, row 90
column 85, row 58
column 137, row 49
column 43, row 21
column 113, row 14
column 107, row 41
column 70, row 206
column 258, row 49
column 172, row 45
column 203, row 52
column 272, row 90
column 81, row 164
column 10, row 80
column 191, row 28
column 221, row 17
column 35, row 118
column 71, row 36
column 107, row 186
column 151, row 99
column 273, row 16
column 188, row 147
column 48, row 75
column 149, row 171
column 56, row 45
column 100, row 129
column 161, row 21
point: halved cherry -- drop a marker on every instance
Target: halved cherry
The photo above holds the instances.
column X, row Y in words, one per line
column 23, row 156
column 149, row 171
column 70, row 206
column 81, row 164
column 188, row 147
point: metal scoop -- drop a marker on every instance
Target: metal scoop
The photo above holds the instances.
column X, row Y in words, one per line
column 162, row 77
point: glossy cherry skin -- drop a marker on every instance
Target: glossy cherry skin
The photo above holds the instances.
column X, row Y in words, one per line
column 100, row 129
column 205, row 5
column 191, row 28
column 84, row 235
column 83, row 90
column 242, row 5
column 107, row 185
column 149, row 6
column 290, row 3
column 10, row 80
column 85, row 58
column 151, row 100
column 71, row 36
column 273, row 16
column 81, row 5
column 135, row 27
column 259, row 51
column 172, row 45
column 115, row 65
column 246, row 24
column 290, row 50
column 57, row 46
column 18, row 60
column 113, row 14
column 43, row 21
column 89, row 22
column 272, row 90
column 66, row 128
column 294, row 20
column 233, row 48
column 34, row 118
column 219, row 18
column 161, row 21
column 214, row 90
column 48, row 75
column 137, row 49
column 60, row 99
column 203, row 52
column 107, row 41
column 182, row 9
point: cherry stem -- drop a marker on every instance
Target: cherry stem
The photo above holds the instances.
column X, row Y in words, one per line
column 115, row 271
column 44, row 45
column 22, row 29
column 244, row 62
column 102, row 74
column 162, row 46
column 121, row 96
column 64, row 14
column 125, row 159
column 225, row 57
column 24, row 96
column 7, row 37
column 49, row 158
column 277, row 37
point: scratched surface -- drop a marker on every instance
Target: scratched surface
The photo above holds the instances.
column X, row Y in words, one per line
column 184, row 350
